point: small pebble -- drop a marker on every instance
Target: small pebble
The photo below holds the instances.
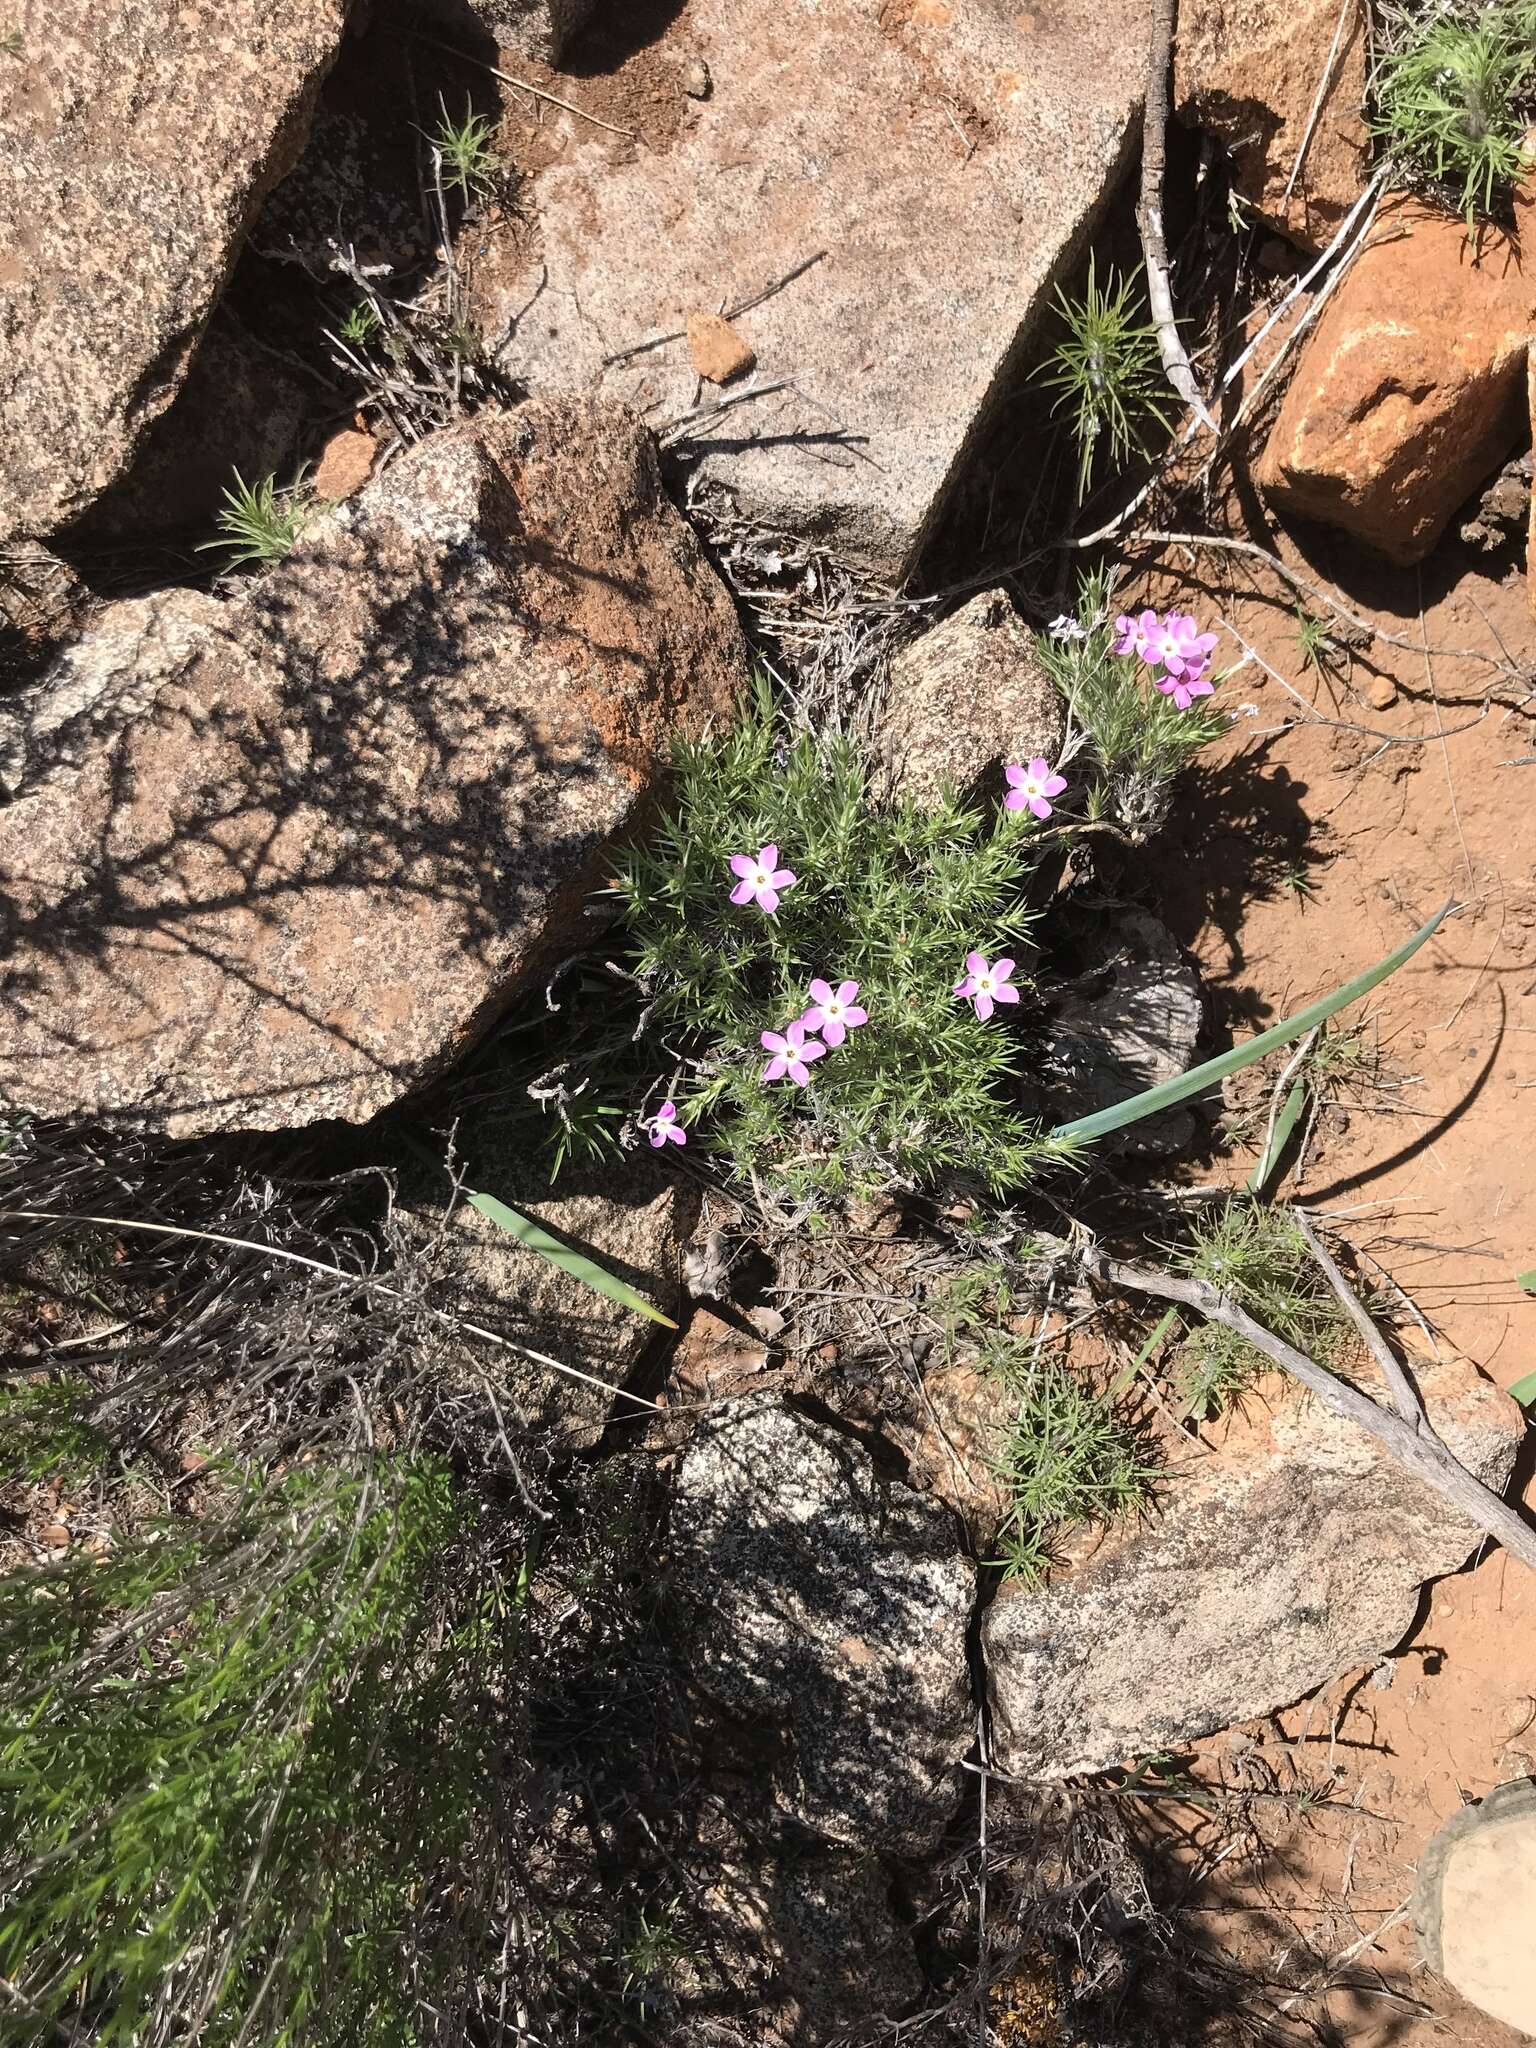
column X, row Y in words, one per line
column 697, row 82
column 1381, row 691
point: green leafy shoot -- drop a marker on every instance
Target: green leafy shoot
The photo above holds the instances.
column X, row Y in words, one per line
column 259, row 523
column 1107, row 372
column 11, row 42
column 1211, row 1072
column 892, row 898
column 1454, row 92
column 360, row 326
column 465, row 151
column 532, row 1234
column 1257, row 1257
column 1070, row 1456
column 1315, row 643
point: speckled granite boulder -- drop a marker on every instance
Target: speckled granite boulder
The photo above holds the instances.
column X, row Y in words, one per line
column 140, row 138
column 534, row 28
column 1293, row 1553
column 281, row 859
column 831, row 1607
column 947, row 159
column 966, row 697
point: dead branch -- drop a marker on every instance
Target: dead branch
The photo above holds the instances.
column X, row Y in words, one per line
column 1425, row 1456
column 1154, row 245
column 1404, row 1393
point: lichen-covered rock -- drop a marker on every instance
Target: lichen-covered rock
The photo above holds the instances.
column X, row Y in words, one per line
column 632, row 1216
column 140, row 138
column 1410, row 391
column 832, row 1606
column 282, row 859
column 1293, row 1553
column 858, row 130
column 968, row 696
column 1251, row 73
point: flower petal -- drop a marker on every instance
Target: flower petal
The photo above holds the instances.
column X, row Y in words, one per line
column 976, row 962
column 812, row 1019
column 1015, row 800
column 773, row 1042
column 1039, row 768
column 768, row 899
column 821, row 991
column 855, row 1014
column 812, row 1049
column 1002, row 969
column 1006, row 993
column 776, row 1067
column 769, row 856
column 983, row 1005
column 832, row 1032
column 783, row 878
column 742, row 864
column 1054, row 785
column 676, row 1133
column 799, row 1073
column 846, row 991
column 966, row 986
column 743, row 893
column 1040, row 807
column 659, row 1135
column 1014, row 773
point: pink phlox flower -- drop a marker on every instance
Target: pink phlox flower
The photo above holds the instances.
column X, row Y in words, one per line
column 792, row 1053
column 833, row 1012
column 986, row 983
column 1184, row 689
column 665, row 1128
column 762, row 880
column 1032, row 785
column 1182, row 646
column 1135, row 634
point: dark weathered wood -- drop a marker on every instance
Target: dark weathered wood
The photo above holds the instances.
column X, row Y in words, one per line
column 1423, row 1454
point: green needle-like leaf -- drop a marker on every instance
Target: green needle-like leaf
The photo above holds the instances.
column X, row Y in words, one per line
column 1151, row 1100
column 532, row 1234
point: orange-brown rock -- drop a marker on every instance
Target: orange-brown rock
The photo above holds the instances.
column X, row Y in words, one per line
column 281, row 858
column 1249, row 72
column 344, row 464
column 1412, row 387
column 718, row 351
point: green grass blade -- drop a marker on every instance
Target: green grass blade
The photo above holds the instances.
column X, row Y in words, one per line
column 1527, row 1281
column 1151, row 1100
column 532, row 1234
column 1524, row 1391
column 1279, row 1137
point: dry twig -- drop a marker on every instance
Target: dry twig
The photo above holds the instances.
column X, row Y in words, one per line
column 1154, row 243
column 1424, row 1455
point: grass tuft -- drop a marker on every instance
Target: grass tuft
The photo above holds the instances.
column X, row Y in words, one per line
column 1454, row 91
column 1256, row 1256
column 259, row 523
column 1107, row 372
column 466, row 152
column 1071, row 1456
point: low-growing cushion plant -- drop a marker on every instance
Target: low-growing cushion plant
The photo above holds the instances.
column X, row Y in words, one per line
column 1455, row 91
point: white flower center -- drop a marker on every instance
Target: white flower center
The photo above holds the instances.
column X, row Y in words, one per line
column 832, row 1011
column 761, row 879
column 984, row 984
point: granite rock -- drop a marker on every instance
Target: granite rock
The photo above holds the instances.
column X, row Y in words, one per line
column 854, row 134
column 966, row 697
column 1292, row 1553
column 283, row 858
column 826, row 1603
column 141, row 138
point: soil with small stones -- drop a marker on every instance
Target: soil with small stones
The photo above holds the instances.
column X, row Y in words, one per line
column 1300, row 852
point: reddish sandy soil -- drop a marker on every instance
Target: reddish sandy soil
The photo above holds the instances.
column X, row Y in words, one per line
column 1429, row 1170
